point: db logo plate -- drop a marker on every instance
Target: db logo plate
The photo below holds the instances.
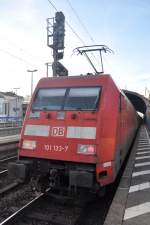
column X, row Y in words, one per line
column 58, row 131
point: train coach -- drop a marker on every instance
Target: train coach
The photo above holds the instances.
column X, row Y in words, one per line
column 77, row 132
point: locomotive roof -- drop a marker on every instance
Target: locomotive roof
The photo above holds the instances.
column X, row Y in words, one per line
column 92, row 80
column 98, row 77
column 78, row 77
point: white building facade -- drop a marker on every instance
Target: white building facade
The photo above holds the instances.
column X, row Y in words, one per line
column 10, row 106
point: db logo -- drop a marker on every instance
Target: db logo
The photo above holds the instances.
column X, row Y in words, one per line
column 58, row 131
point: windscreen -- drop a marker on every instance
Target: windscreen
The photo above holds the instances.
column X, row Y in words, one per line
column 81, row 98
column 49, row 99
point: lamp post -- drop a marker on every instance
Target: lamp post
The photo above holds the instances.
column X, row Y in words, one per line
column 16, row 89
column 32, row 71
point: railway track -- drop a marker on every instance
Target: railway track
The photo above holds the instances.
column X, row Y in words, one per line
column 3, row 172
column 6, row 186
column 31, row 212
column 13, row 197
column 8, row 158
column 8, row 144
column 5, row 183
column 4, row 161
column 8, row 152
column 45, row 209
column 8, row 149
column 15, row 217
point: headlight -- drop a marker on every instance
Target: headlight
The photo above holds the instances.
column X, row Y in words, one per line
column 27, row 144
column 86, row 149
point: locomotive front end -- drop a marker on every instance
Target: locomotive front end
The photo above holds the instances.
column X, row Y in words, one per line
column 58, row 144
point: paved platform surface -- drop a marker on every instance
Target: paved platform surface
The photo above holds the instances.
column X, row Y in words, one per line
column 131, row 204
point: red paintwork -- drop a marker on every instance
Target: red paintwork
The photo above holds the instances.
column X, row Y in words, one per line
column 115, row 129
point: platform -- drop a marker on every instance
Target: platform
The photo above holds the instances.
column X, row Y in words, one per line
column 131, row 204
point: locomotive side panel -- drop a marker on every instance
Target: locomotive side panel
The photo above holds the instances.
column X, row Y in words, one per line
column 106, row 172
column 118, row 127
column 126, row 129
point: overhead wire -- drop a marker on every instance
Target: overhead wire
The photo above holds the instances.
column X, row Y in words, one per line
column 14, row 56
column 18, row 58
column 21, row 50
column 80, row 21
column 52, row 4
column 84, row 27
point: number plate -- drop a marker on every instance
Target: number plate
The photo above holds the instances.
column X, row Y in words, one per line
column 55, row 148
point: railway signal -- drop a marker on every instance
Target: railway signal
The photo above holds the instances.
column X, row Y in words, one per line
column 59, row 32
column 55, row 40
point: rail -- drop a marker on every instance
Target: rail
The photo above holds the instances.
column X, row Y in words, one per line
column 14, row 217
column 9, row 158
column 3, row 172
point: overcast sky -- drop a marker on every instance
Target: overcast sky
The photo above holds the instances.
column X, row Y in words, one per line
column 121, row 25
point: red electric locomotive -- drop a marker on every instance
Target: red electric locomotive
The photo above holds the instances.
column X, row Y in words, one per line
column 76, row 133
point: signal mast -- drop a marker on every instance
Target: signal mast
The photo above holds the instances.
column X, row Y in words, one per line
column 55, row 40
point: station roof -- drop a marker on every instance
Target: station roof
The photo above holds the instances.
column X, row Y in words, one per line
column 139, row 101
